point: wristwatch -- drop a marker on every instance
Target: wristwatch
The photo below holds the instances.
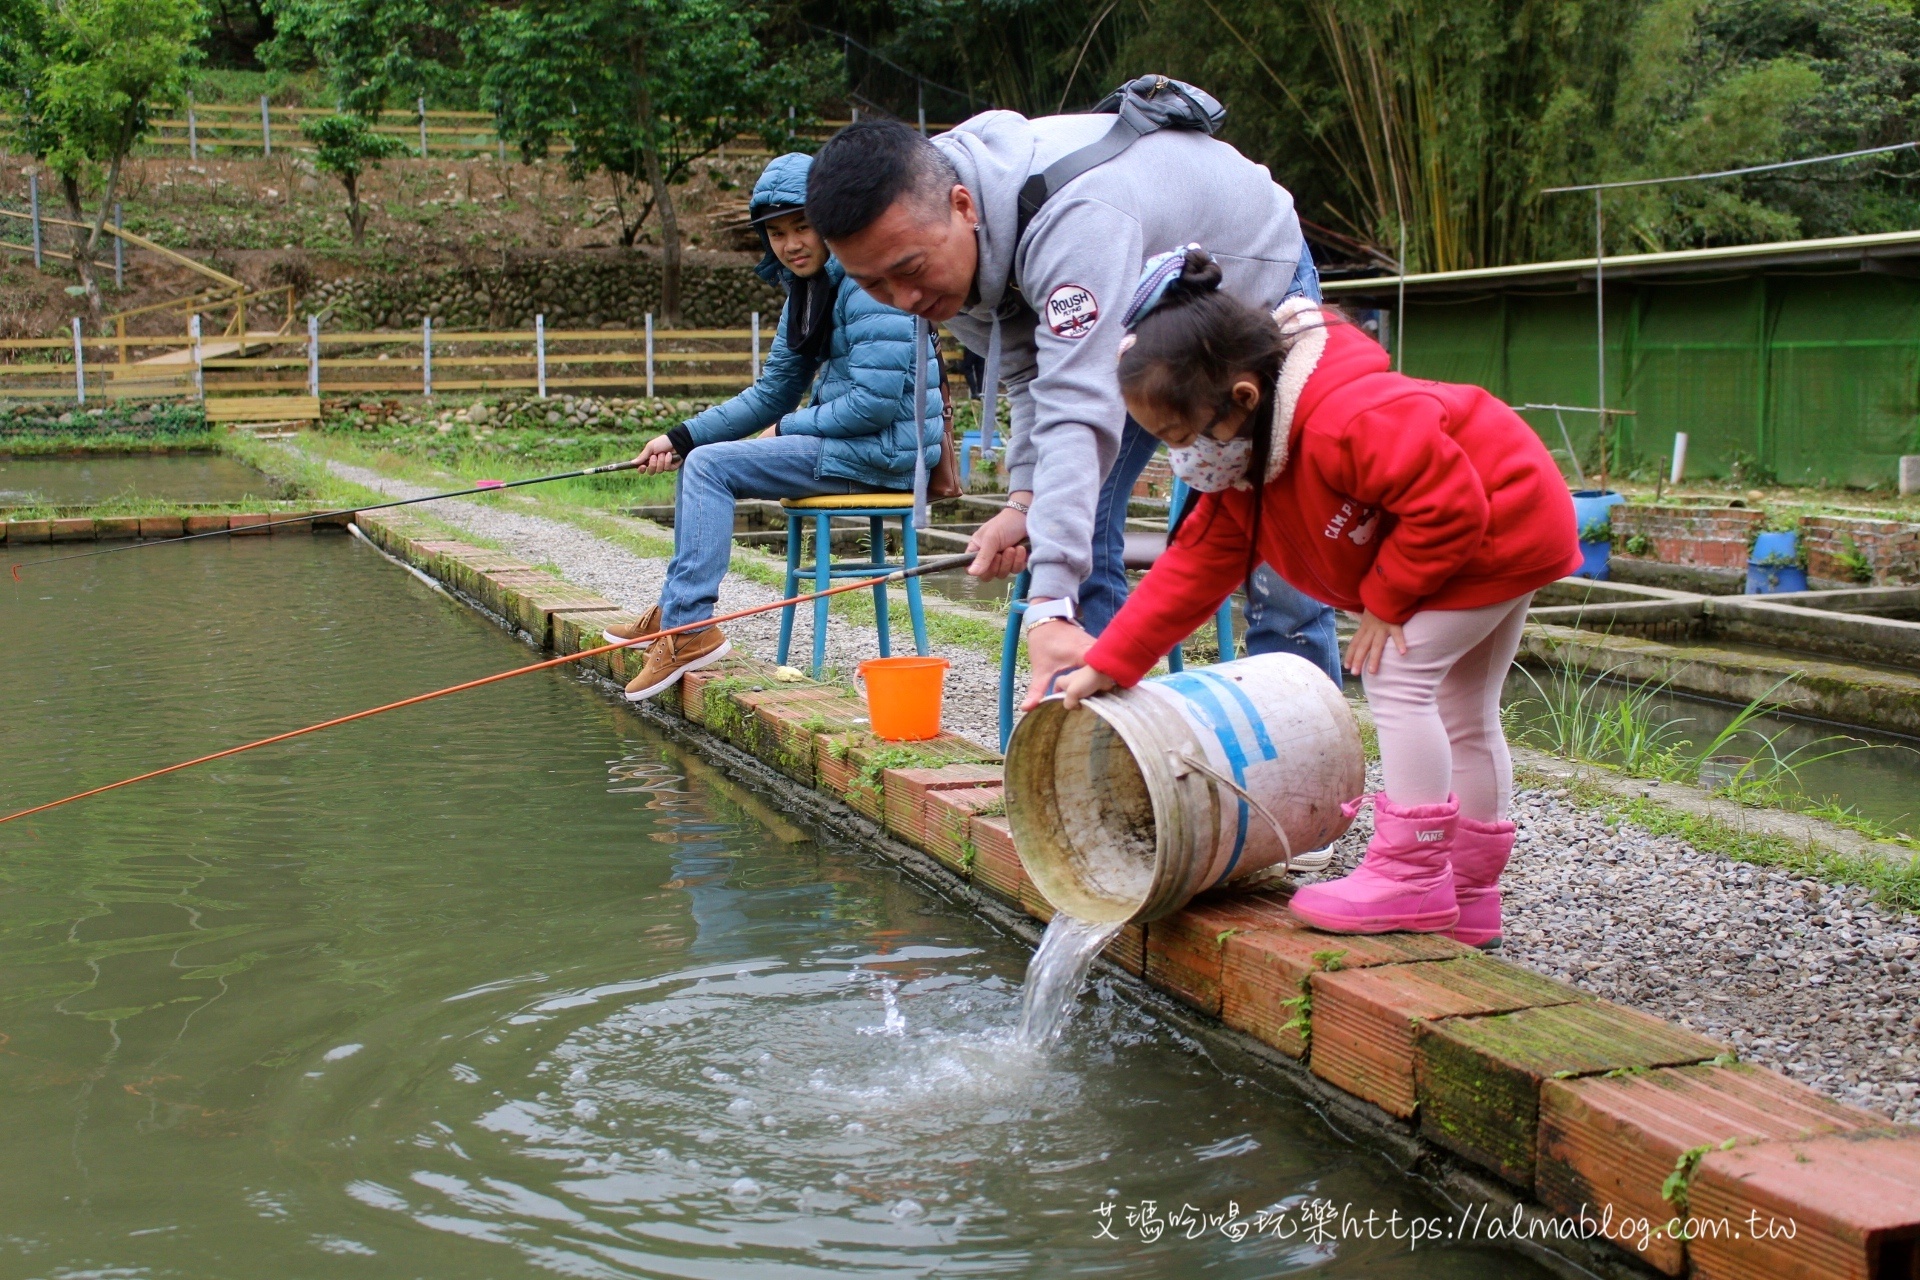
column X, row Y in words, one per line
column 1062, row 609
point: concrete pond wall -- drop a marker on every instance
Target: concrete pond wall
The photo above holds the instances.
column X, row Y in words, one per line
column 1619, row 1126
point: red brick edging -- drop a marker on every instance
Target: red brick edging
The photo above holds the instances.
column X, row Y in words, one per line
column 1627, row 1127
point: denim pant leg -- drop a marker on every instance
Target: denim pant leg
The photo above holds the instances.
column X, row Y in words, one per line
column 712, row 479
column 1281, row 619
column 1105, row 588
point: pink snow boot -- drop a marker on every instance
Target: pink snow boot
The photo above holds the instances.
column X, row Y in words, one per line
column 1405, row 881
column 1480, row 853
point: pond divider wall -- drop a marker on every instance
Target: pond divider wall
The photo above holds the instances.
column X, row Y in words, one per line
column 1621, row 1125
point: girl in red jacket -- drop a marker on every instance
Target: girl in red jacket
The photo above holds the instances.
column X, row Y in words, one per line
column 1431, row 510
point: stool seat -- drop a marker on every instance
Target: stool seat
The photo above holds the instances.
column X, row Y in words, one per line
column 851, row 501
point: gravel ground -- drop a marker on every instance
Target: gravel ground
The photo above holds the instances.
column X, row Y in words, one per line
column 633, row 582
column 1815, row 981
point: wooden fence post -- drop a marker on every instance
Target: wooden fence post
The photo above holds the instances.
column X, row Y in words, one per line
column 266, row 128
column 649, row 355
column 199, row 367
column 193, row 132
column 313, row 356
column 540, row 352
column 79, row 366
column 426, row 357
column 119, row 250
column 753, row 364
column 420, row 104
column 33, row 196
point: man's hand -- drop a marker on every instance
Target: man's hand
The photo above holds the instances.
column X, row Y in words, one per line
column 657, row 456
column 1370, row 641
column 996, row 544
column 1084, row 683
column 1052, row 647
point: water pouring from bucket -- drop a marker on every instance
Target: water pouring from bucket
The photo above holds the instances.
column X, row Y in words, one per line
column 1127, row 806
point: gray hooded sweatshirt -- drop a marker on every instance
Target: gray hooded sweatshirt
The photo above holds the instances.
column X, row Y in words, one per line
column 1075, row 269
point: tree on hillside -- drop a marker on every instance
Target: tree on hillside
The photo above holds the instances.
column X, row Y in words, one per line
column 345, row 146
column 642, row 89
column 86, row 76
column 374, row 53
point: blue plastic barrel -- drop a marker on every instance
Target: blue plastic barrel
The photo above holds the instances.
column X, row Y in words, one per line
column 1774, row 565
column 1590, row 507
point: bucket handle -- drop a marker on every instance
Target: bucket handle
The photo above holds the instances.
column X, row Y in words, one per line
column 1183, row 764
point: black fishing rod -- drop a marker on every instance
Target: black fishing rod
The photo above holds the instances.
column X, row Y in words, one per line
column 485, row 486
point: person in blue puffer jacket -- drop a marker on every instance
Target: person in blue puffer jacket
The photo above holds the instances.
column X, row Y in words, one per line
column 856, row 434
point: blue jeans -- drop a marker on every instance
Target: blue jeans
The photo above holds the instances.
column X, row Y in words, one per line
column 712, row 479
column 1280, row 618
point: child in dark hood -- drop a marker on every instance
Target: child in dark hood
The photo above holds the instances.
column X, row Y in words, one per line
column 856, row 435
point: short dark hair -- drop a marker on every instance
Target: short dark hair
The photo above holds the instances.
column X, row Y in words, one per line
column 866, row 168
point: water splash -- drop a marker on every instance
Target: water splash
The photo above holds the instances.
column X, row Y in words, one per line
column 896, row 1023
column 1055, row 975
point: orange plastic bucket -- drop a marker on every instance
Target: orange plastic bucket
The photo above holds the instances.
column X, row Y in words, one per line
column 904, row 696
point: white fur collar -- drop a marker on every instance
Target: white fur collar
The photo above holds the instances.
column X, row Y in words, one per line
column 1302, row 317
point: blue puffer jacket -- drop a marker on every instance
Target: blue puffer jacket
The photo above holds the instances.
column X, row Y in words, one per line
column 862, row 391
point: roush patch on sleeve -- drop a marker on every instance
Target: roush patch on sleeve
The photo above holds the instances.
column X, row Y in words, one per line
column 1071, row 310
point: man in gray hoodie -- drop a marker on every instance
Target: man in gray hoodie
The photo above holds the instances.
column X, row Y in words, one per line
column 934, row 228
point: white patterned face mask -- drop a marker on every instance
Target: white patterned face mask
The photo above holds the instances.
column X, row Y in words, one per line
column 1211, row 465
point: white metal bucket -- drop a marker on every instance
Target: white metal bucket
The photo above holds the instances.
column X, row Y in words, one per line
column 1127, row 806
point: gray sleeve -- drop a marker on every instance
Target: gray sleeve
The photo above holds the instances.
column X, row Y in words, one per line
column 1081, row 263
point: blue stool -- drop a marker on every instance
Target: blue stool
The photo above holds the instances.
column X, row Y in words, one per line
column 877, row 508
column 1142, row 549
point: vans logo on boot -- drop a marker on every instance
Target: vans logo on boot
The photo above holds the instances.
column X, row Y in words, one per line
column 1428, row 837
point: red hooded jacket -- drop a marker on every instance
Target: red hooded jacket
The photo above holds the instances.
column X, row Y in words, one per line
column 1391, row 495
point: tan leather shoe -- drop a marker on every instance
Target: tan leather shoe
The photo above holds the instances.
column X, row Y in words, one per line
column 648, row 623
column 671, row 657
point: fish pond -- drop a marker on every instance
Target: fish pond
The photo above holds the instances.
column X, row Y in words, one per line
column 151, row 477
column 510, row 984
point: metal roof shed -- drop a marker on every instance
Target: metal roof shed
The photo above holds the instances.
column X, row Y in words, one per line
column 1799, row 360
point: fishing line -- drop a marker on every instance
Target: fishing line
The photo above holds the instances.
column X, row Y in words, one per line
column 484, row 486
column 898, row 575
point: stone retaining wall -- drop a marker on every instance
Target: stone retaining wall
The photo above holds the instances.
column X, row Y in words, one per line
column 1598, row 1112
column 585, row 292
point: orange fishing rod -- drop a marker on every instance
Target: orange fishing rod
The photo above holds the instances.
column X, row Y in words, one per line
column 484, row 486
column 898, row 575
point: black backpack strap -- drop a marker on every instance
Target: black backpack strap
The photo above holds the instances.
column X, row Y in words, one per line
column 1139, row 107
column 1042, row 185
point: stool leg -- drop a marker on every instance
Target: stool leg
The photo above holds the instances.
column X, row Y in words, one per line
column 1223, row 622
column 910, row 547
column 877, row 547
column 793, row 588
column 822, row 579
column 1010, row 655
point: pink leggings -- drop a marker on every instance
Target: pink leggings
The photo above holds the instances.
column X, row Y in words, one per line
column 1437, row 708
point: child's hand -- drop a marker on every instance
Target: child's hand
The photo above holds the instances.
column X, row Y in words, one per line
column 1370, row 641
column 1083, row 683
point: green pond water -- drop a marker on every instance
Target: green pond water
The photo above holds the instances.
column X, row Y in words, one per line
column 169, row 477
column 1875, row 774
column 507, row 985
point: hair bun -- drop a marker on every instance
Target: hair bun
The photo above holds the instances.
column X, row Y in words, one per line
column 1199, row 274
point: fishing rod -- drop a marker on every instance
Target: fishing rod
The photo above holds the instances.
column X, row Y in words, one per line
column 936, row 565
column 484, row 486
